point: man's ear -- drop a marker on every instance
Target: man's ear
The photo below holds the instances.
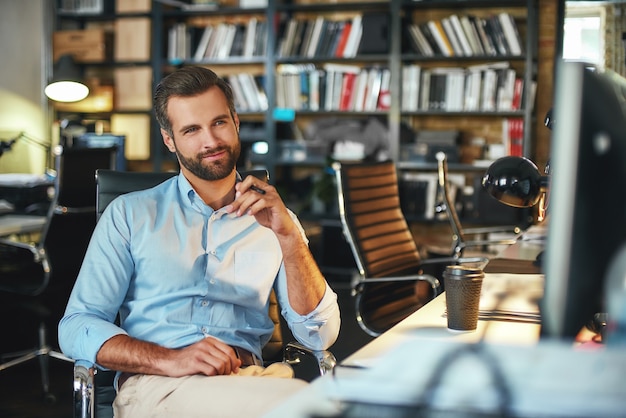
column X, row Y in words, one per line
column 168, row 141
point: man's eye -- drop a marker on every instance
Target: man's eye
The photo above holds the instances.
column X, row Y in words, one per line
column 190, row 130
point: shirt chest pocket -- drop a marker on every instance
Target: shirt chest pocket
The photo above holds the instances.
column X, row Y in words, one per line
column 256, row 266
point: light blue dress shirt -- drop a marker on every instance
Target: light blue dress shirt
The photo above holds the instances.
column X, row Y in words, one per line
column 178, row 271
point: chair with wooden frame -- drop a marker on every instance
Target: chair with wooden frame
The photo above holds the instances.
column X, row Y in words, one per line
column 393, row 280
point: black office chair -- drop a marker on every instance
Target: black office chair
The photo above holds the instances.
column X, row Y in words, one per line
column 394, row 281
column 38, row 278
column 93, row 388
column 461, row 236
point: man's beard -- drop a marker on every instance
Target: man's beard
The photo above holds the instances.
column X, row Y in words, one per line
column 216, row 170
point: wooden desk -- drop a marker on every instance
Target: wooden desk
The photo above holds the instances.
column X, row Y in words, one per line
column 429, row 325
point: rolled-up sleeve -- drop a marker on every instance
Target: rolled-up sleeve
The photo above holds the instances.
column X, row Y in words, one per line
column 319, row 329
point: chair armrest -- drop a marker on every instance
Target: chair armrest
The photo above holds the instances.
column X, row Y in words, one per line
column 513, row 229
column 84, row 373
column 432, row 280
column 326, row 360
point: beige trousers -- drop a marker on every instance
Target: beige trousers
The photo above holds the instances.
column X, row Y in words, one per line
column 252, row 392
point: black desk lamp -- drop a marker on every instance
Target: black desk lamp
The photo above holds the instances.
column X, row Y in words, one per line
column 516, row 181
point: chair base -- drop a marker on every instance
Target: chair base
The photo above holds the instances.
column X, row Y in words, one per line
column 43, row 353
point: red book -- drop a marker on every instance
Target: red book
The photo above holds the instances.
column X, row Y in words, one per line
column 518, row 86
column 347, row 89
column 516, row 135
column 343, row 39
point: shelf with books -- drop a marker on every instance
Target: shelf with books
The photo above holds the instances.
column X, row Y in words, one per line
column 214, row 37
column 470, row 65
column 333, row 63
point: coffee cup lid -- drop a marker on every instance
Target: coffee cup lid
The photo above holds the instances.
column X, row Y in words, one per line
column 458, row 270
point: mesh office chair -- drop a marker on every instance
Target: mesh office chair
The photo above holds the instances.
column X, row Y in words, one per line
column 460, row 235
column 394, row 281
column 93, row 389
column 38, row 277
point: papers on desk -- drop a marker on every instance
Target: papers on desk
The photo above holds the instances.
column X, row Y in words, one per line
column 536, row 232
column 549, row 379
column 511, row 297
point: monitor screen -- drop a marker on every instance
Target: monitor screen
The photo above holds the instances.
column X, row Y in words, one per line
column 93, row 140
column 587, row 207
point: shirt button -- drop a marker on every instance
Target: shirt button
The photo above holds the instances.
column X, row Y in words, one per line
column 212, row 281
column 213, row 252
column 205, row 303
column 205, row 330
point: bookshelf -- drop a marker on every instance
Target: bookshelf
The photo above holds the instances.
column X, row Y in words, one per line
column 283, row 100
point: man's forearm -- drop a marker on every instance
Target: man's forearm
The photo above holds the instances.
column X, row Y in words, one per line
column 128, row 354
column 305, row 283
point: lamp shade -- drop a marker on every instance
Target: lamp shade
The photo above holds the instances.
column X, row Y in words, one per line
column 66, row 85
column 515, row 181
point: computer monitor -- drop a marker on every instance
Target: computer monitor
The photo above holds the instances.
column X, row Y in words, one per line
column 106, row 140
column 587, row 207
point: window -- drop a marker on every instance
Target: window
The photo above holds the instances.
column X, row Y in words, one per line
column 583, row 38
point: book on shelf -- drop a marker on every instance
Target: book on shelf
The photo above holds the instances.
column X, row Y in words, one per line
column 358, row 98
column 226, row 43
column 286, row 40
column 462, row 36
column 425, row 30
column 439, row 35
column 343, row 39
column 240, row 99
column 315, row 37
column 237, row 47
column 354, row 38
column 328, row 43
column 505, row 90
column 424, row 98
column 260, row 39
column 495, row 31
column 511, row 35
column 334, row 94
column 384, row 95
column 298, row 37
column 259, row 82
column 373, row 89
column 452, row 36
column 486, row 42
column 307, row 32
column 518, row 90
column 513, row 136
column 249, row 36
column 488, row 93
column 473, row 83
column 322, row 42
column 411, row 82
column 471, row 35
column 348, row 81
column 375, row 39
column 420, row 41
column 203, row 44
column 315, row 81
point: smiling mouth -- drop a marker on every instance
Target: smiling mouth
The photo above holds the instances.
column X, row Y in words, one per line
column 214, row 155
